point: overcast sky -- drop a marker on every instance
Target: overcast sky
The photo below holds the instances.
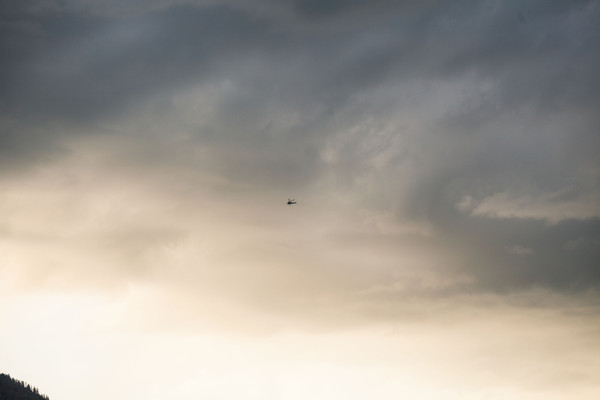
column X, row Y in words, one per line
column 445, row 159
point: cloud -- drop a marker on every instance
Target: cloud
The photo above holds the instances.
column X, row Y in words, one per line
column 444, row 158
column 545, row 207
column 518, row 250
column 406, row 123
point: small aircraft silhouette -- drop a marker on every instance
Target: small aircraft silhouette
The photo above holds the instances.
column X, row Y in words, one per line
column 291, row 201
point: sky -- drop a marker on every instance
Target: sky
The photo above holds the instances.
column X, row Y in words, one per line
column 445, row 160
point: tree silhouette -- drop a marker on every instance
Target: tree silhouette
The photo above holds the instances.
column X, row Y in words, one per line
column 14, row 389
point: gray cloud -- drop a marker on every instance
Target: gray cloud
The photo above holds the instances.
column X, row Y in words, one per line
column 403, row 114
column 444, row 156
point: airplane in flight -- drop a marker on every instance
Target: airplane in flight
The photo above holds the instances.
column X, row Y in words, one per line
column 291, row 201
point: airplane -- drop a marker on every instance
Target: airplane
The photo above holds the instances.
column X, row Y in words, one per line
column 291, row 201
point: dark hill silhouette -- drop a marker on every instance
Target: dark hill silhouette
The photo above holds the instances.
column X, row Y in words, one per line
column 14, row 389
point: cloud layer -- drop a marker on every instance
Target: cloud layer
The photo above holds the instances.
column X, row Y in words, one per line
column 444, row 158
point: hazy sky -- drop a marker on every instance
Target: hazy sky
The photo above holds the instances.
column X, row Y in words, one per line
column 445, row 156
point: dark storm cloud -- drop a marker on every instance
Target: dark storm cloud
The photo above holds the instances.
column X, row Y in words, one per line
column 83, row 66
column 518, row 254
column 409, row 107
column 313, row 8
column 77, row 63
